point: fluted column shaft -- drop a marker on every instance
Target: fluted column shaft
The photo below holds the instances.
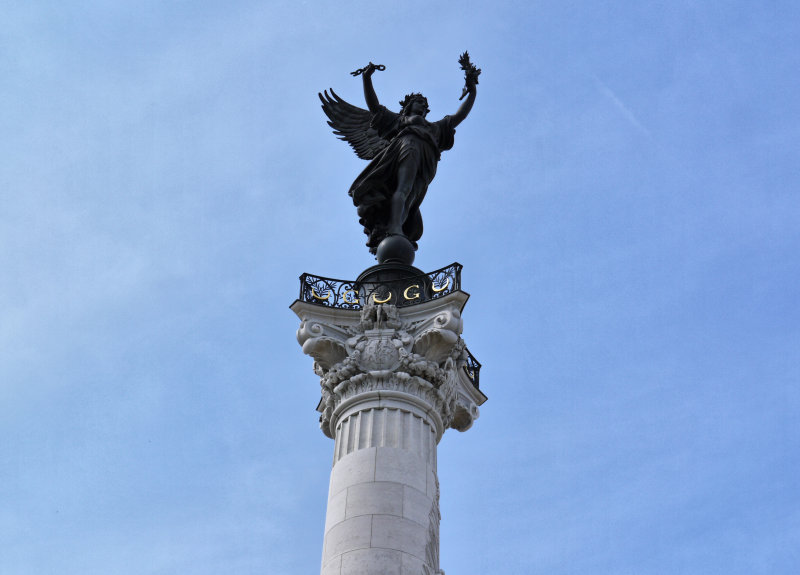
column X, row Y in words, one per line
column 383, row 514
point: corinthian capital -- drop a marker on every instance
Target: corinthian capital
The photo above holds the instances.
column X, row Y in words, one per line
column 380, row 350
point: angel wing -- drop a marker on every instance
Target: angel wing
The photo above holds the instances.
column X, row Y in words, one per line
column 352, row 124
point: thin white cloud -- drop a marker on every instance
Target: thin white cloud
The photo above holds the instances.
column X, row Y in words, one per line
column 621, row 107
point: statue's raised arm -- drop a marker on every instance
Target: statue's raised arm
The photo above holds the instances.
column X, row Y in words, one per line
column 369, row 91
column 404, row 149
column 471, row 74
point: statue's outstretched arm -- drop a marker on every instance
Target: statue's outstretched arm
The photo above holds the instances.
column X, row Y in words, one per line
column 463, row 110
column 369, row 92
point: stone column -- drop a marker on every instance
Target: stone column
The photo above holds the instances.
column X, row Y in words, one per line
column 392, row 381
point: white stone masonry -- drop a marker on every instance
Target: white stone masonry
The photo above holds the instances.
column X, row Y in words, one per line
column 392, row 381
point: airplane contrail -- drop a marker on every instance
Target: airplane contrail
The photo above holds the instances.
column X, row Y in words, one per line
column 623, row 109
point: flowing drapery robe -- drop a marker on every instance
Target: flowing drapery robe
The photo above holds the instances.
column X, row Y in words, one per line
column 411, row 139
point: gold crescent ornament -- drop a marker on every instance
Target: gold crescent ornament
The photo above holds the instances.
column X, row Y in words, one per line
column 444, row 287
column 319, row 297
column 376, row 300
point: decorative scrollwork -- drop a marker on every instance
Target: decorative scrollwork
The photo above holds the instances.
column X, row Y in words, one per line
column 443, row 281
column 329, row 292
column 473, row 368
column 354, row 295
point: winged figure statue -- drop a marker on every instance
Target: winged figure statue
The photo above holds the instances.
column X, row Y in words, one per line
column 403, row 150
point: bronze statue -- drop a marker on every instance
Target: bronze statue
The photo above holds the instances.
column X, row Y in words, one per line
column 404, row 150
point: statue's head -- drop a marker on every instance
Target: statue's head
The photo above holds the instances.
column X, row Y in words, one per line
column 414, row 104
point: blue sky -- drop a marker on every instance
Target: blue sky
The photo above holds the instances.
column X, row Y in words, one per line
column 623, row 198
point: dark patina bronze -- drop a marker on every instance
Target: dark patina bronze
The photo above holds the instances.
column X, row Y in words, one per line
column 404, row 149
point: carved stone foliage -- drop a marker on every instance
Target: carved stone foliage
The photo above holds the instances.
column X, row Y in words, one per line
column 380, row 350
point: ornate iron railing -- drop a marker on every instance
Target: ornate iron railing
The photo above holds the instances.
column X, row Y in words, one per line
column 473, row 369
column 329, row 292
column 404, row 292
